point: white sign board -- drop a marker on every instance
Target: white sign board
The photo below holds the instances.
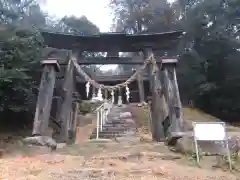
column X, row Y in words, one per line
column 209, row 131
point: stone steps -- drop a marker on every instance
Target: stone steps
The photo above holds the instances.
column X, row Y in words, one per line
column 119, row 131
column 116, row 128
column 119, row 124
column 110, row 135
column 106, row 136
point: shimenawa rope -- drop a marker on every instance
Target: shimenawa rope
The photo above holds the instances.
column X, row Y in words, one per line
column 151, row 60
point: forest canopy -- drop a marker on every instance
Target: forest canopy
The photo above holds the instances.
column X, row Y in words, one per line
column 208, row 69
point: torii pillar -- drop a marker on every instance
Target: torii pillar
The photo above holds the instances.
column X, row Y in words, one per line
column 45, row 95
column 171, row 92
column 158, row 112
column 63, row 117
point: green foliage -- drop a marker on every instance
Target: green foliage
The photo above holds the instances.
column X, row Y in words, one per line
column 19, row 56
column 80, row 26
column 214, row 84
column 21, row 47
column 87, row 107
column 208, row 70
column 20, row 50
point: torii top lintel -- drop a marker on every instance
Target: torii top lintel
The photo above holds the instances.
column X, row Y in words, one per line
column 120, row 42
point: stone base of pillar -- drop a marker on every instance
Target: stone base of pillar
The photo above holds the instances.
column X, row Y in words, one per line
column 41, row 141
column 173, row 138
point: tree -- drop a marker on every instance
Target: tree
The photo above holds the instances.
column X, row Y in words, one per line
column 137, row 16
column 76, row 26
column 143, row 16
column 208, row 52
column 21, row 49
column 211, row 26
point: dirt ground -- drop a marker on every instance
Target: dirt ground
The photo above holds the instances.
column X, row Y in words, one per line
column 108, row 159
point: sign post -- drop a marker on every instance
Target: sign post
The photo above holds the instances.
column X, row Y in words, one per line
column 211, row 131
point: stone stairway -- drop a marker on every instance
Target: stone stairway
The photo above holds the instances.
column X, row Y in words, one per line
column 119, row 123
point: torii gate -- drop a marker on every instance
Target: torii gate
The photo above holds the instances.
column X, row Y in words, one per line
column 166, row 109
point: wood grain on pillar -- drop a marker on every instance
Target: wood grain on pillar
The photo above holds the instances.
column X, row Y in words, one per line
column 44, row 102
column 63, row 116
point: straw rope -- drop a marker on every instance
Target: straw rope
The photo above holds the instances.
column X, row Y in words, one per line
column 80, row 71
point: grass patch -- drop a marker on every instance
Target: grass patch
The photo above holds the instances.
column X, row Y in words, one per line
column 141, row 117
column 85, row 150
column 88, row 106
column 194, row 115
column 35, row 171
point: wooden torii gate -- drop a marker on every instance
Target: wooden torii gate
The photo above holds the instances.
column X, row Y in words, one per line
column 166, row 109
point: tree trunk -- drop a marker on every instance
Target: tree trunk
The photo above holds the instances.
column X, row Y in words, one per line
column 43, row 108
